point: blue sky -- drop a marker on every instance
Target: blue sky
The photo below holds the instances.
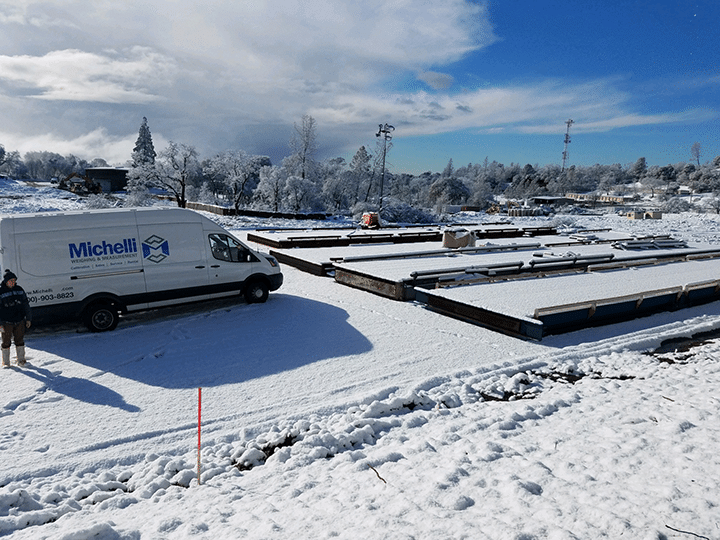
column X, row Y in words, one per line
column 639, row 59
column 458, row 79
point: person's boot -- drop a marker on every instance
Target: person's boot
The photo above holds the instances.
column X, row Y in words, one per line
column 20, row 349
column 6, row 358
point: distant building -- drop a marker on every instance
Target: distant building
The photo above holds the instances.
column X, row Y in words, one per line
column 594, row 198
column 550, row 201
column 109, row 178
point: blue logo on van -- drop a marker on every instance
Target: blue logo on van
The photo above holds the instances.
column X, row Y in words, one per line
column 84, row 250
column 155, row 249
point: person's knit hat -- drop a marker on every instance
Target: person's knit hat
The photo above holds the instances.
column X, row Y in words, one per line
column 8, row 276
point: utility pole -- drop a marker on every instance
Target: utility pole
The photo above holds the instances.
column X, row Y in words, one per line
column 385, row 131
column 567, row 141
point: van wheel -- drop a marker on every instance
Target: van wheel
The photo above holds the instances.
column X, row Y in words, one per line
column 256, row 292
column 101, row 317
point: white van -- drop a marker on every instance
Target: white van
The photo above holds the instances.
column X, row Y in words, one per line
column 94, row 265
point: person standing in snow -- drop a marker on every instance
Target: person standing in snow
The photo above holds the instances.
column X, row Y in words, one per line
column 14, row 317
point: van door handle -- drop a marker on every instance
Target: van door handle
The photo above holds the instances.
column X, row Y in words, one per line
column 214, row 266
column 199, row 267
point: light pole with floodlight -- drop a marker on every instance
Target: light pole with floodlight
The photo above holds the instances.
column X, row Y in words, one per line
column 385, row 131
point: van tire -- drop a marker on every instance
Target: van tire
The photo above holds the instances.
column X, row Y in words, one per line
column 256, row 292
column 101, row 317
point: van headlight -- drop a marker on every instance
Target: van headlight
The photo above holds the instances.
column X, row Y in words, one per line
column 273, row 262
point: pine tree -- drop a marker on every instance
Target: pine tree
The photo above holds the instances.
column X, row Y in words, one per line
column 360, row 173
column 142, row 174
column 449, row 170
column 144, row 151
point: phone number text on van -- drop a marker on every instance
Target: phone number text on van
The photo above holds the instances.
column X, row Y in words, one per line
column 49, row 297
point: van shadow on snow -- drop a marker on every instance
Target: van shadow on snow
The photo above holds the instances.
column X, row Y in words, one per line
column 213, row 343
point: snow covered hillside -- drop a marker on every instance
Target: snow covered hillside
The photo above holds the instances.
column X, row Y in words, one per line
column 329, row 412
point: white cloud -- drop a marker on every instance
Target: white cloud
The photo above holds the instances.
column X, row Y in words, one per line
column 88, row 146
column 533, row 109
column 225, row 73
column 319, row 39
column 116, row 150
column 629, row 120
column 34, row 14
column 211, row 69
column 82, row 76
column 435, row 80
column 272, row 41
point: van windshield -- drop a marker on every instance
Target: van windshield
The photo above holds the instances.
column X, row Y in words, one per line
column 226, row 248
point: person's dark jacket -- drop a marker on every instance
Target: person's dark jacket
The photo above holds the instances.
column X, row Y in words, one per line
column 14, row 305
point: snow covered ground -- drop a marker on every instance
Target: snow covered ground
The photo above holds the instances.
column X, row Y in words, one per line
column 333, row 413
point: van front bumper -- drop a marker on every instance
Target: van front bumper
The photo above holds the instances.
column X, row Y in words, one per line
column 276, row 281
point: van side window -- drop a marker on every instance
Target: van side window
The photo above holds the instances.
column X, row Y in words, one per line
column 226, row 248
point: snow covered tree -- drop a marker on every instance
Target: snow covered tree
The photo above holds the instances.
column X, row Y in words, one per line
column 271, row 188
column 360, row 175
column 13, row 165
column 481, row 194
column 639, row 169
column 714, row 202
column 360, row 163
column 448, row 190
column 99, row 162
column 239, row 172
column 143, row 173
column 668, row 174
column 304, row 146
column 527, row 182
column 449, row 170
column 685, row 174
column 177, row 167
column 139, row 181
column 409, row 189
column 336, row 184
column 654, row 183
column 695, row 151
column 47, row 165
column 299, row 193
column 2, row 154
column 144, row 151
